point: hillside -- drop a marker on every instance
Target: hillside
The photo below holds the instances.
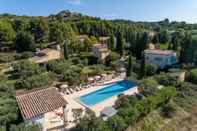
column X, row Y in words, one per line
column 73, row 50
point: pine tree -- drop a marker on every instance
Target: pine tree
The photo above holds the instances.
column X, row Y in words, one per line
column 24, row 42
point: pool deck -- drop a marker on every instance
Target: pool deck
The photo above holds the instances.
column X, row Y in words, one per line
column 74, row 103
column 111, row 101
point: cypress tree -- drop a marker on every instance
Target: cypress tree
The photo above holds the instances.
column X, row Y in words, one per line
column 66, row 42
column 111, row 42
column 130, row 67
column 143, row 66
column 120, row 43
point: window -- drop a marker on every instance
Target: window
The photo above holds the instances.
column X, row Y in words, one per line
column 158, row 59
column 147, row 57
column 173, row 59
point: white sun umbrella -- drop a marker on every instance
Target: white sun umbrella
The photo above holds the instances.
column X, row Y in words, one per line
column 97, row 77
column 90, row 79
column 122, row 69
column 64, row 86
column 113, row 72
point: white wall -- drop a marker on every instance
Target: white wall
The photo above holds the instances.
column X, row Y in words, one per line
column 160, row 61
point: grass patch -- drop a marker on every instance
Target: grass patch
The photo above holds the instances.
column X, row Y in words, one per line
column 164, row 46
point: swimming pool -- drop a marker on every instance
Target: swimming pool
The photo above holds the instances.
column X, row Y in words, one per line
column 98, row 96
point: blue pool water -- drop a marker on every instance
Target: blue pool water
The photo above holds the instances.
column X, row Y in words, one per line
column 107, row 92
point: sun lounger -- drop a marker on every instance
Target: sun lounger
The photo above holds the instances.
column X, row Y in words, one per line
column 85, row 86
column 80, row 88
column 77, row 88
column 67, row 92
column 71, row 90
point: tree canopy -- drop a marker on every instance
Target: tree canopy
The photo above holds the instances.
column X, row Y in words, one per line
column 7, row 32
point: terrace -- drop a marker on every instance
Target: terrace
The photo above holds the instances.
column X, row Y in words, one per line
column 46, row 55
column 73, row 95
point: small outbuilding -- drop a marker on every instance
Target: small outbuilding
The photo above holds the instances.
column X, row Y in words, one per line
column 108, row 112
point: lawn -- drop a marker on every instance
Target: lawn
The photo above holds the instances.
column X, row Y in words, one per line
column 163, row 46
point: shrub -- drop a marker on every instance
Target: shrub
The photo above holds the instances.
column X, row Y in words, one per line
column 148, row 86
column 72, row 75
column 5, row 57
column 26, row 68
column 117, row 123
column 35, row 81
column 89, row 58
column 168, row 110
column 58, row 66
column 125, row 101
column 167, row 80
column 144, row 106
column 24, row 42
column 192, row 76
column 150, row 69
column 25, row 127
column 8, row 106
column 129, row 114
column 24, row 55
column 113, row 56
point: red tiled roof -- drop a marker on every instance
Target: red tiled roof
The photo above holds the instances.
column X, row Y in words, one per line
column 36, row 103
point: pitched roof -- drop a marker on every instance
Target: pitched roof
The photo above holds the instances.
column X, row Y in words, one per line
column 104, row 38
column 36, row 103
column 100, row 46
column 160, row 52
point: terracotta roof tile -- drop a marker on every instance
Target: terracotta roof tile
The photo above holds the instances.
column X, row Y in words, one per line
column 36, row 103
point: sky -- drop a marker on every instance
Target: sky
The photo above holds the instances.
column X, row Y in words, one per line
column 136, row 10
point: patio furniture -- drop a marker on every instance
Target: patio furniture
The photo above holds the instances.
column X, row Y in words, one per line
column 68, row 91
column 71, row 90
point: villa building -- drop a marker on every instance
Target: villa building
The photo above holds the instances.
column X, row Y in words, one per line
column 43, row 56
column 160, row 58
column 45, row 107
column 101, row 51
column 104, row 39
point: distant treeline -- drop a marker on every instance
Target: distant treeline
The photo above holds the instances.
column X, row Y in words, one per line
column 23, row 33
